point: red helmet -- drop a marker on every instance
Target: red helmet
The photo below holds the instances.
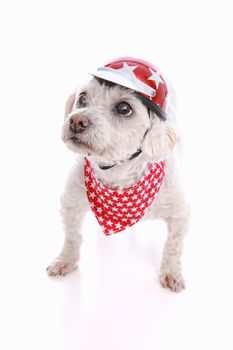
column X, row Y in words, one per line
column 140, row 76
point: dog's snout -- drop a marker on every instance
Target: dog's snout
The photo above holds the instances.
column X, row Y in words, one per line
column 79, row 123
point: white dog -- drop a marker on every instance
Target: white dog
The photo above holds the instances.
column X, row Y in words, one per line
column 117, row 122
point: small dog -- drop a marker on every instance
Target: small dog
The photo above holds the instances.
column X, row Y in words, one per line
column 117, row 122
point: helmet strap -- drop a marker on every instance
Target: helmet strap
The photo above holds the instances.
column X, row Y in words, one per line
column 152, row 106
column 133, row 156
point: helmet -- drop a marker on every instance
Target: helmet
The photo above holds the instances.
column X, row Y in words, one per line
column 140, row 76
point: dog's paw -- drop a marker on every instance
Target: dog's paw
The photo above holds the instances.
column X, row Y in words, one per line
column 175, row 282
column 61, row 268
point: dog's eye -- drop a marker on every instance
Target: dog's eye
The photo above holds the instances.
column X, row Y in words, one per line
column 124, row 108
column 82, row 100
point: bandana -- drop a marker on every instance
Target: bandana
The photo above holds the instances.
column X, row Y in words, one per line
column 116, row 209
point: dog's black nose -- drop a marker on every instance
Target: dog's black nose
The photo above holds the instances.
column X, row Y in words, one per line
column 79, row 123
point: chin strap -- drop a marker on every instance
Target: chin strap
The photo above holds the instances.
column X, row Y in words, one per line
column 106, row 167
column 135, row 155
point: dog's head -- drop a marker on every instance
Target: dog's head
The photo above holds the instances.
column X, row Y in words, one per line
column 111, row 123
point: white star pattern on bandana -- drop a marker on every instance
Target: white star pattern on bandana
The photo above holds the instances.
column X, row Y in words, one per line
column 126, row 207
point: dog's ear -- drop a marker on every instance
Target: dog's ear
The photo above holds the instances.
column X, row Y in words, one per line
column 159, row 140
column 69, row 104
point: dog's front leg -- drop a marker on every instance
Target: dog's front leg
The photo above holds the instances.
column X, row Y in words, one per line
column 171, row 272
column 74, row 206
column 66, row 261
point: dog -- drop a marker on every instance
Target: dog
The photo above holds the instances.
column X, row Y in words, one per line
column 118, row 123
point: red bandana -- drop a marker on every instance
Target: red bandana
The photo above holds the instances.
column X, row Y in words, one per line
column 117, row 209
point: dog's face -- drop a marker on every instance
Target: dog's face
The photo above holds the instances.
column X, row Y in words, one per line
column 111, row 123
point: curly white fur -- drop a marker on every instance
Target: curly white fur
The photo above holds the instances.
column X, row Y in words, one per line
column 111, row 139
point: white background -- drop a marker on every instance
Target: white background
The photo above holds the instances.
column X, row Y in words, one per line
column 114, row 300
